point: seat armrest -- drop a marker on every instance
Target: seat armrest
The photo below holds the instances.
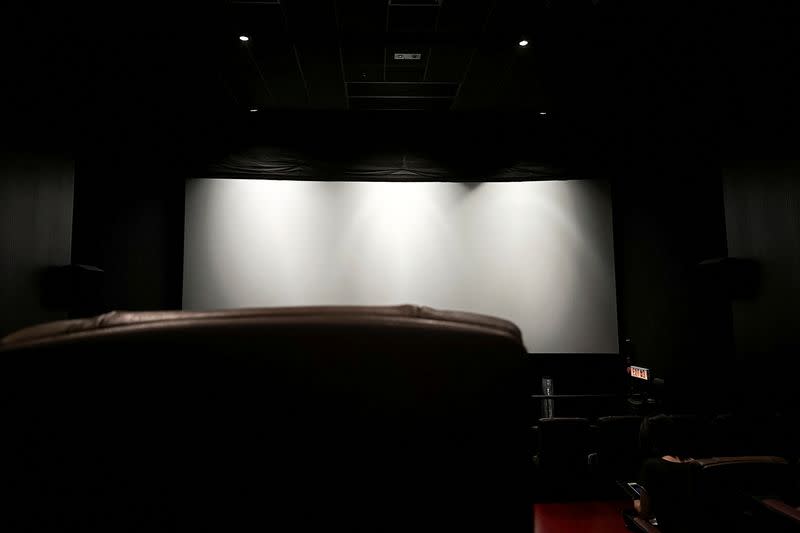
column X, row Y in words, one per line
column 645, row 526
column 782, row 508
column 745, row 459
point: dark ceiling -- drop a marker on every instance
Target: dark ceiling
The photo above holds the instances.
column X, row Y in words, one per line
column 340, row 54
column 595, row 67
column 384, row 54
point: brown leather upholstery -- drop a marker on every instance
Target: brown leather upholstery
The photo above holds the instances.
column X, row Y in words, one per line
column 715, row 495
column 344, row 418
column 723, row 487
column 58, row 330
column 724, row 476
column 681, row 435
column 645, row 526
column 618, row 446
column 784, row 509
column 722, row 462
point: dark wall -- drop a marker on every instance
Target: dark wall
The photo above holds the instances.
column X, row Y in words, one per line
column 129, row 222
column 36, row 202
column 669, row 217
column 762, row 211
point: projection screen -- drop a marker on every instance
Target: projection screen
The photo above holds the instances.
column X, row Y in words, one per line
column 537, row 253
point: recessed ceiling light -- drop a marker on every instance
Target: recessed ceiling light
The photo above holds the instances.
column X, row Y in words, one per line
column 542, row 112
column 254, row 110
column 244, row 38
column 523, row 43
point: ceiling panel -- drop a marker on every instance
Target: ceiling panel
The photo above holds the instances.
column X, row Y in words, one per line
column 487, row 75
column 514, row 20
column 413, row 18
column 400, row 104
column 311, row 18
column 323, row 73
column 523, row 88
column 406, row 55
column 464, row 17
column 415, row 2
column 280, row 69
column 363, row 63
column 258, row 21
column 402, row 65
column 405, row 74
column 244, row 79
column 432, row 90
column 361, row 16
column 448, row 62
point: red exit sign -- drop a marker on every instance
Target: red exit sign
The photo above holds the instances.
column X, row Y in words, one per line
column 640, row 372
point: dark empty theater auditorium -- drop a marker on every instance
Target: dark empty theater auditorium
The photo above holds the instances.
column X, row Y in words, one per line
column 400, row 266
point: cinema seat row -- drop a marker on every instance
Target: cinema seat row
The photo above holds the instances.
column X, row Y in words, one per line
column 373, row 419
column 739, row 473
column 619, row 443
column 575, row 443
column 379, row 419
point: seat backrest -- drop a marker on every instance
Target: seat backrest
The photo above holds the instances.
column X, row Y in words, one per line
column 618, row 443
column 764, row 434
column 563, row 438
column 711, row 494
column 680, row 435
column 619, row 434
column 352, row 418
column 731, row 435
column 723, row 488
column 744, row 472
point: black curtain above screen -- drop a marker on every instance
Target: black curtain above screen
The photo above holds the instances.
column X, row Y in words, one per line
column 296, row 164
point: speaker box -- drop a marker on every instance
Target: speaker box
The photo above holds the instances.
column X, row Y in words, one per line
column 736, row 278
column 77, row 289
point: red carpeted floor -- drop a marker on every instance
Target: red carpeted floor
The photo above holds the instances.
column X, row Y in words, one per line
column 580, row 517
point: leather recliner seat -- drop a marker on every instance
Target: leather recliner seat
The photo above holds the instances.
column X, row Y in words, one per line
column 343, row 418
column 618, row 446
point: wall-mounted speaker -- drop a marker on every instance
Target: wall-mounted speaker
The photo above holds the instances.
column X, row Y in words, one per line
column 736, row 278
column 77, row 289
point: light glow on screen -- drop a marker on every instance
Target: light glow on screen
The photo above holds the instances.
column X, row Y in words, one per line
column 537, row 253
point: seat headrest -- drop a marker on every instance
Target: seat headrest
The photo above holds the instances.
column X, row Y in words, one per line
column 749, row 474
column 108, row 323
column 719, row 462
column 679, row 435
column 761, row 434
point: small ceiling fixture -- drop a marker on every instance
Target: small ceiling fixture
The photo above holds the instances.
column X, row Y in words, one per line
column 542, row 112
column 244, row 38
column 254, row 110
column 523, row 43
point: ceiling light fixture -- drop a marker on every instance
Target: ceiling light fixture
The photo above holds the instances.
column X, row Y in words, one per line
column 255, row 109
column 542, row 112
column 523, row 43
column 244, row 38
